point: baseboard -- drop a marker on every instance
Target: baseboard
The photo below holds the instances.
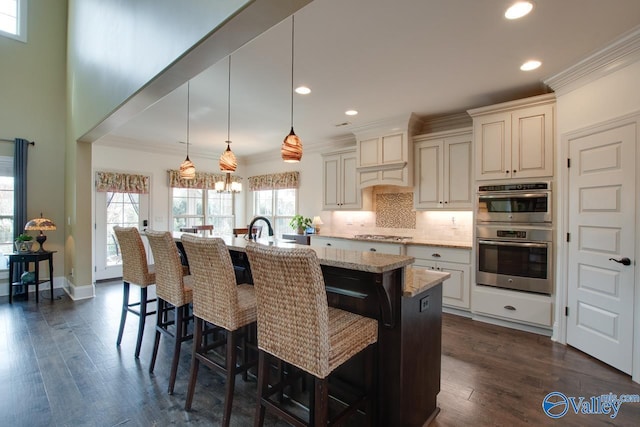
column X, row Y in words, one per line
column 79, row 292
column 513, row 325
column 457, row 311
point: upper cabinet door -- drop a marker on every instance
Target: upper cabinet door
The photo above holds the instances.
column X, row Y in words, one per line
column 514, row 139
column 532, row 142
column 458, row 183
column 492, row 134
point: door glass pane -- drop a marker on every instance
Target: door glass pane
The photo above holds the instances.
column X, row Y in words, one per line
column 123, row 210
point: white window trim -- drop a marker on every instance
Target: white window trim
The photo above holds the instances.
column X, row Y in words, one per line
column 205, row 207
column 21, row 23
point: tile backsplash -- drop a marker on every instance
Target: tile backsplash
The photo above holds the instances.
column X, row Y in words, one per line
column 395, row 210
column 394, row 215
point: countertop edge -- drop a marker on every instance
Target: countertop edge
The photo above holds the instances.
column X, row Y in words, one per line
column 418, row 280
column 415, row 242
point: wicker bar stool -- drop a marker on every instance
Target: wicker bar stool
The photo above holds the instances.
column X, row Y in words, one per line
column 174, row 292
column 296, row 325
column 219, row 301
column 135, row 270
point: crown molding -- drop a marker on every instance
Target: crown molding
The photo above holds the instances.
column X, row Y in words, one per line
column 621, row 52
column 150, row 147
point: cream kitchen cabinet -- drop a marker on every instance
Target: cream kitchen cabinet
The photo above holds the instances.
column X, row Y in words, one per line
column 443, row 176
column 456, row 290
column 514, row 139
column 340, row 182
column 384, row 151
column 357, row 245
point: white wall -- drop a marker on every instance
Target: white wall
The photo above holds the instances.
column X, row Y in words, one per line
column 32, row 106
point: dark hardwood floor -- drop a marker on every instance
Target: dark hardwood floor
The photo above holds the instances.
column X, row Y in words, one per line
column 59, row 366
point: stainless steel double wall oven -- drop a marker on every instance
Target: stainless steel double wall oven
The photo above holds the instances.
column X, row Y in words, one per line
column 514, row 232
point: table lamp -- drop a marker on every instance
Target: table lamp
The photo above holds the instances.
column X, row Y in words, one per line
column 40, row 224
column 317, row 222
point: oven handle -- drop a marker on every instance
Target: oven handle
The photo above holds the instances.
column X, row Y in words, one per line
column 521, row 244
column 503, row 195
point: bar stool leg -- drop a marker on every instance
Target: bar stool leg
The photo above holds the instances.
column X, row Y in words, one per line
column 143, row 316
column 195, row 362
column 177, row 344
column 263, row 385
column 160, row 318
column 231, row 376
column 123, row 317
column 321, row 402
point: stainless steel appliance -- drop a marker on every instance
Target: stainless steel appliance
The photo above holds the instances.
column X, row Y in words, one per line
column 519, row 258
column 515, row 203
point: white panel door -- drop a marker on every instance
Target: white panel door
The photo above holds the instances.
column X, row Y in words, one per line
column 602, row 226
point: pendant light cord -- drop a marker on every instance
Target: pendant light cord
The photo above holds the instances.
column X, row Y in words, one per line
column 292, row 33
column 229, row 104
column 188, row 91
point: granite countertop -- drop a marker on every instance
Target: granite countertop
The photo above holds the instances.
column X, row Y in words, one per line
column 412, row 241
column 418, row 280
column 372, row 262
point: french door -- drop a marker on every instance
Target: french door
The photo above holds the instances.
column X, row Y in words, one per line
column 113, row 208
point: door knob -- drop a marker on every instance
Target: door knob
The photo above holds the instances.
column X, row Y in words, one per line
column 623, row 261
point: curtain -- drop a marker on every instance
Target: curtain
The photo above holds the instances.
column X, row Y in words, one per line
column 203, row 180
column 20, row 154
column 122, row 182
column 274, row 181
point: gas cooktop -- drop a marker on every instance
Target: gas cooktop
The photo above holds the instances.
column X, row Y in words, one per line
column 382, row 237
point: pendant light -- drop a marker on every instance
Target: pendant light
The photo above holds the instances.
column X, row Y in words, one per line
column 291, row 146
column 228, row 162
column 187, row 168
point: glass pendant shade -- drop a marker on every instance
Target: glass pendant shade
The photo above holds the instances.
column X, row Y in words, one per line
column 291, row 148
column 228, row 162
column 187, row 169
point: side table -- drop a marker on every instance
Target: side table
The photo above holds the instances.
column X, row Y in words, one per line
column 27, row 258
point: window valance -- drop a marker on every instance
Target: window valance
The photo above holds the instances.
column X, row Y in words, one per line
column 122, row 182
column 274, row 181
column 203, row 180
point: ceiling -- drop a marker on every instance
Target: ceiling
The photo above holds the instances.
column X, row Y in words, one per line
column 383, row 58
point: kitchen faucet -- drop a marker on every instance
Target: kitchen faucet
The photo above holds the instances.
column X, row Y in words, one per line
column 253, row 221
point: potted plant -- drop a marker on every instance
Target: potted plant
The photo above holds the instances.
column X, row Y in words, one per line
column 24, row 242
column 300, row 223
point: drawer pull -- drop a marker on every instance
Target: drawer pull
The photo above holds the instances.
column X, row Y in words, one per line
column 436, row 255
column 510, row 307
column 328, row 244
column 372, row 249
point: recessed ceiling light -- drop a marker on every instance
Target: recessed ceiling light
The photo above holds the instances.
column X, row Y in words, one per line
column 530, row 65
column 303, row 90
column 518, row 10
column 351, row 112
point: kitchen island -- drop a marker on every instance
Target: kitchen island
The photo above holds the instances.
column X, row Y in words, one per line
column 407, row 304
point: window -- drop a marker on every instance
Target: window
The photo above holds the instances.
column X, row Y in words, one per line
column 279, row 206
column 123, row 209
column 13, row 19
column 189, row 206
column 6, row 218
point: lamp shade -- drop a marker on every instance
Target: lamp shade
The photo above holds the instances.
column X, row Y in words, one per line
column 291, row 148
column 228, row 162
column 40, row 224
column 187, row 169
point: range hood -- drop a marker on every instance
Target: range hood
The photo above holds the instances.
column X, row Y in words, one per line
column 385, row 151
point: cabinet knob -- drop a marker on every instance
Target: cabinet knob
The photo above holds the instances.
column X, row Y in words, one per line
column 506, row 171
column 440, row 202
column 445, row 202
column 514, row 171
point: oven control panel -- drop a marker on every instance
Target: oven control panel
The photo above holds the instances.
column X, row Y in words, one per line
column 512, row 234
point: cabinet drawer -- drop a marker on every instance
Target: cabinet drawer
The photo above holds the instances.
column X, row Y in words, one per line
column 461, row 256
column 513, row 306
column 385, row 248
